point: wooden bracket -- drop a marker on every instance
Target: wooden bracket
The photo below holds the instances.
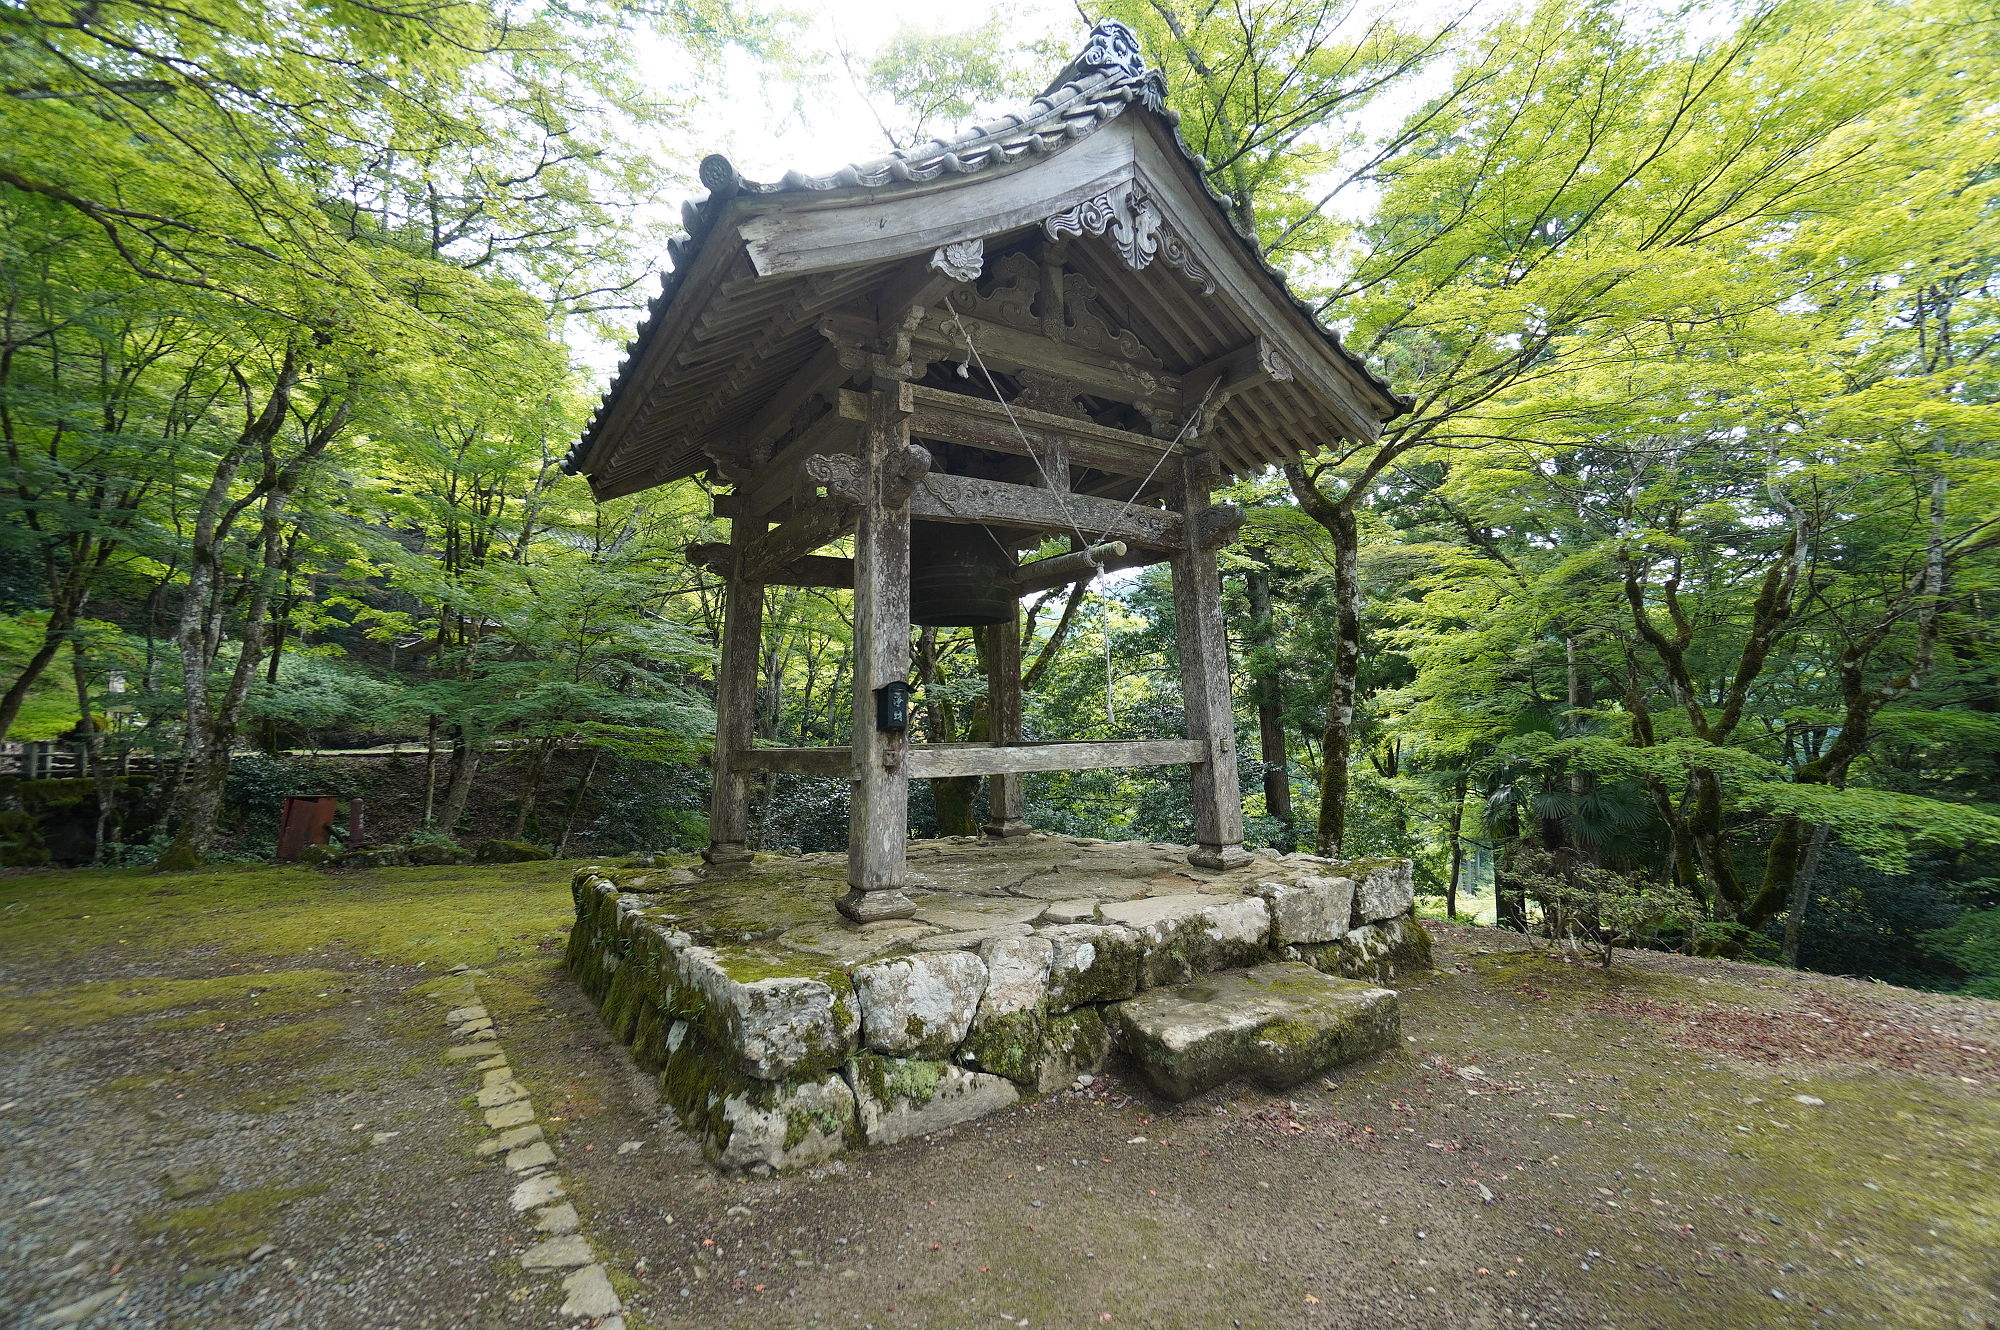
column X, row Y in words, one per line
column 1217, row 526
column 845, row 479
column 902, row 469
column 840, row 474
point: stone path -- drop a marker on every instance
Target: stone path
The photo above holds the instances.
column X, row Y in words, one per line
column 539, row 1197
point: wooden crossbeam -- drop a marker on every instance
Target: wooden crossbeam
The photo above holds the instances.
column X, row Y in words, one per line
column 946, row 498
column 798, row 761
column 1010, row 349
column 816, row 570
column 931, row 760
column 772, row 552
column 979, row 423
column 984, row 760
column 778, row 479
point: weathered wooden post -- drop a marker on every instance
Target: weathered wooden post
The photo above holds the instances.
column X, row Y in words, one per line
column 1006, row 803
column 735, row 701
column 1204, row 653
column 878, row 828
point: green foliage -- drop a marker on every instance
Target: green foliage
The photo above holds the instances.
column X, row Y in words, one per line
column 1972, row 942
column 21, row 843
column 1679, row 567
column 937, row 80
column 1598, row 909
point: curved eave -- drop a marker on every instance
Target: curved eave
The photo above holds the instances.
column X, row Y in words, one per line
column 1069, row 113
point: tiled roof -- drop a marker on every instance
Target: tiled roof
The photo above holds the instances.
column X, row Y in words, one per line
column 1105, row 78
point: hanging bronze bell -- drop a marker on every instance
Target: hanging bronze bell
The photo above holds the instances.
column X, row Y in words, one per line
column 960, row 577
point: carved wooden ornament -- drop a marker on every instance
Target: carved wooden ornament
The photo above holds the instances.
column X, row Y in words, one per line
column 1136, row 226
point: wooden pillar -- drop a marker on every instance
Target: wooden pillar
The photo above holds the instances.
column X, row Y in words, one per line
column 1204, row 651
column 878, row 827
column 735, row 703
column 1006, row 805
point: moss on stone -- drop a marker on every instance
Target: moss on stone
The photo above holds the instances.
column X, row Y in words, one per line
column 1009, row 1045
column 509, row 852
column 887, row 1079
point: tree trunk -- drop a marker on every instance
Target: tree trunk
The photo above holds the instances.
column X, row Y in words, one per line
column 458, row 788
column 953, row 797
column 1266, row 691
column 53, row 637
column 539, row 756
column 1802, row 886
column 1337, row 729
column 204, row 760
column 430, row 768
column 1457, row 847
column 576, row 804
column 214, row 724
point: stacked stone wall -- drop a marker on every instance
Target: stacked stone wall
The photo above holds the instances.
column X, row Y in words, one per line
column 777, row 1057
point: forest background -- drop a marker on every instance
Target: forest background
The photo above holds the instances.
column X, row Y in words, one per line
column 1667, row 615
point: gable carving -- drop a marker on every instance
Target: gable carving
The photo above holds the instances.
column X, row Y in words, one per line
column 1136, row 227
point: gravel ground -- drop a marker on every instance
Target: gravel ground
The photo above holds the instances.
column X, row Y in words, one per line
column 326, row 1179
column 207, row 1140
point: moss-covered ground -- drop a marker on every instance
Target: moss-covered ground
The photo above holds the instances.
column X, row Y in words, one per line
column 200, row 1067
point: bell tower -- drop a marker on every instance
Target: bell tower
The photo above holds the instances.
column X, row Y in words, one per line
column 1046, row 330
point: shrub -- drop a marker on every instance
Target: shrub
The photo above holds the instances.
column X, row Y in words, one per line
column 21, row 844
column 430, row 853
column 1597, row 909
column 509, row 852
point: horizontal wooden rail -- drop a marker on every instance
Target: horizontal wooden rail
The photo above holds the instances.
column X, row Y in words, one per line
column 930, row 760
column 990, row 760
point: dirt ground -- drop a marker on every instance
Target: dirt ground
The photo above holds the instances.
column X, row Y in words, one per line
column 224, row 1102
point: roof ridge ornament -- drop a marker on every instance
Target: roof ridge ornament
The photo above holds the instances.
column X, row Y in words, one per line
column 1114, row 48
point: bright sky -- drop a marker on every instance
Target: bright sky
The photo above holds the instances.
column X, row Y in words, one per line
column 765, row 133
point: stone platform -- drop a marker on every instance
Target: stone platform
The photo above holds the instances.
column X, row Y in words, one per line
column 783, row 1034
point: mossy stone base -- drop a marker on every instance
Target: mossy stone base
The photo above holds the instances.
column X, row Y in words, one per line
column 783, row 1034
column 1378, row 952
column 753, row 1126
column 1072, row 1043
column 1274, row 1024
column 897, row 1098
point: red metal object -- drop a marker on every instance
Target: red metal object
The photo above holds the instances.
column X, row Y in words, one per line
column 308, row 821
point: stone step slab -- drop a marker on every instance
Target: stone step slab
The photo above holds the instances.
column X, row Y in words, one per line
column 1275, row 1024
column 1311, row 909
column 898, row 1098
column 1186, row 935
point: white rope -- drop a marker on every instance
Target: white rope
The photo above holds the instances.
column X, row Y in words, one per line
column 1061, row 491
